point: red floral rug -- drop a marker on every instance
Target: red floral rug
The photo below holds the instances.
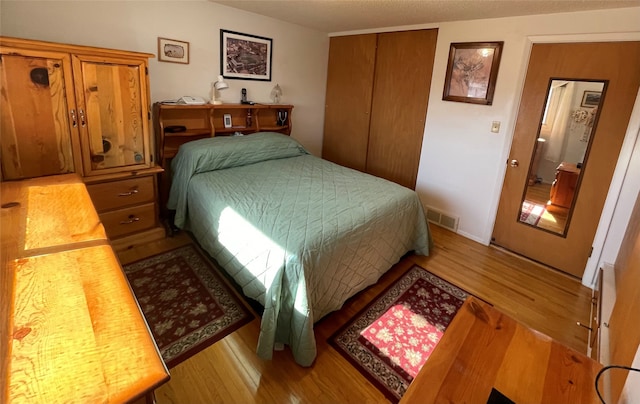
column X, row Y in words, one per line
column 391, row 338
column 531, row 213
column 186, row 302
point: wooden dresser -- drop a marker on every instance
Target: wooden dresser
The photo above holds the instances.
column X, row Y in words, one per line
column 84, row 110
column 564, row 186
column 71, row 329
column 484, row 349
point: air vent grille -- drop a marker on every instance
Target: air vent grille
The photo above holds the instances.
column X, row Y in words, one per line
column 442, row 219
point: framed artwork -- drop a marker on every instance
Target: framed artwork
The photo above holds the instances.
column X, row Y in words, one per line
column 472, row 71
column 244, row 56
column 171, row 50
column 591, row 99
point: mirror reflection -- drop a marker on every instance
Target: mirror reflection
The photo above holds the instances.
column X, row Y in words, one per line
column 560, row 153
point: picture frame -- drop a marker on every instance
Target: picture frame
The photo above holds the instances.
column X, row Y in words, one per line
column 591, row 99
column 227, row 120
column 472, row 71
column 244, row 56
column 173, row 51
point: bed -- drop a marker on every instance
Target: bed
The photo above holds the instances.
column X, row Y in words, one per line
column 297, row 233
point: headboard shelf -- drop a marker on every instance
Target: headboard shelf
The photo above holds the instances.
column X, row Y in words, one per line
column 195, row 122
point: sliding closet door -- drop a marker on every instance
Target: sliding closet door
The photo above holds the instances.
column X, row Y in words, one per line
column 404, row 64
column 348, row 100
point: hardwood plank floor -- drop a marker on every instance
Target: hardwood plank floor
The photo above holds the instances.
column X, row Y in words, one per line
column 230, row 372
column 555, row 217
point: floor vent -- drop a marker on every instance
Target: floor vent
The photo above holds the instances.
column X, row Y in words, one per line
column 442, row 219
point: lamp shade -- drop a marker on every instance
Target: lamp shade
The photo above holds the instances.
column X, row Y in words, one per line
column 220, row 84
column 215, row 90
column 276, row 94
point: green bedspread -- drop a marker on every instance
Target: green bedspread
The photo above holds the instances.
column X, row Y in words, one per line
column 299, row 234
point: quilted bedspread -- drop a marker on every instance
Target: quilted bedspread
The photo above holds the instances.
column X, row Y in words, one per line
column 299, row 234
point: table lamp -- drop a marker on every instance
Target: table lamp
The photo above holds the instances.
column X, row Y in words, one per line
column 215, row 90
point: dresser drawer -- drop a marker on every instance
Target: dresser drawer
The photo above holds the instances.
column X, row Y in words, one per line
column 129, row 220
column 117, row 194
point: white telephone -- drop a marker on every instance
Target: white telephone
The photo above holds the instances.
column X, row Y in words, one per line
column 189, row 100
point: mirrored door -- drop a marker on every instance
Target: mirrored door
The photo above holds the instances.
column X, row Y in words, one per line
column 575, row 185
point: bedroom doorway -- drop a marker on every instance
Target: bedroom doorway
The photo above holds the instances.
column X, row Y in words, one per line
column 600, row 82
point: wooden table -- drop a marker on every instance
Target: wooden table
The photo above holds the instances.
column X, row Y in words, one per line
column 483, row 349
column 70, row 328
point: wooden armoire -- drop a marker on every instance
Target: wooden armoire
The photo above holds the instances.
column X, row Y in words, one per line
column 84, row 110
column 376, row 102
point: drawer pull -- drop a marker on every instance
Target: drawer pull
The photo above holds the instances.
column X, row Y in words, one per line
column 133, row 191
column 132, row 219
column 584, row 326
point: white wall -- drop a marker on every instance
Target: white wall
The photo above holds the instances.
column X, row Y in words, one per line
column 462, row 163
column 299, row 54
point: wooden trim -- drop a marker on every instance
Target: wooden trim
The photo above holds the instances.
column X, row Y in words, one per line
column 68, row 48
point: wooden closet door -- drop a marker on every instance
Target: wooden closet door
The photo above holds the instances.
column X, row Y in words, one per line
column 404, row 64
column 348, row 99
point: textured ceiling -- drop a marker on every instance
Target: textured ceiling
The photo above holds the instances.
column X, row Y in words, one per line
column 350, row 15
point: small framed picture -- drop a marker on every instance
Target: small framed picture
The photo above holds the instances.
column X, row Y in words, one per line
column 591, row 99
column 472, row 71
column 174, row 51
column 244, row 56
column 227, row 120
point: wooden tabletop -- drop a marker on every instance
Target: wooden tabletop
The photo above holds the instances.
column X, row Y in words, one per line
column 484, row 349
column 71, row 329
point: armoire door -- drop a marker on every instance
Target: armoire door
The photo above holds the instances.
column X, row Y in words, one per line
column 348, row 100
column 604, row 112
column 113, row 112
column 404, row 65
column 37, row 114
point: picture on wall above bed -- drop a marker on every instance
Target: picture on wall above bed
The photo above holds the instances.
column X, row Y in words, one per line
column 244, row 56
column 172, row 50
column 472, row 71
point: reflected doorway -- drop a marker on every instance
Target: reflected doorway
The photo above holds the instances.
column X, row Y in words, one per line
column 560, row 153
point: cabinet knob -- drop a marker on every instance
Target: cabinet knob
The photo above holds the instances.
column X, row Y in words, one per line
column 83, row 121
column 74, row 121
column 514, row 163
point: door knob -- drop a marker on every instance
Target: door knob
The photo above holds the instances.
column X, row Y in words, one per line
column 514, row 163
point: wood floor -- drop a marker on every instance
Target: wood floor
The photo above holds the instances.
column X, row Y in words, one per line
column 554, row 218
column 230, row 372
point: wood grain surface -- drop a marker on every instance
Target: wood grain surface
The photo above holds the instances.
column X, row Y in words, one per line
column 484, row 349
column 72, row 330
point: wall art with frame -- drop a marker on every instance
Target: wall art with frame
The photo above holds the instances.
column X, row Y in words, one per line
column 472, row 71
column 174, row 51
column 591, row 99
column 244, row 56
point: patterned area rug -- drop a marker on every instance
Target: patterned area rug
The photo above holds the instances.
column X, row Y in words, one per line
column 186, row 302
column 531, row 213
column 391, row 338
